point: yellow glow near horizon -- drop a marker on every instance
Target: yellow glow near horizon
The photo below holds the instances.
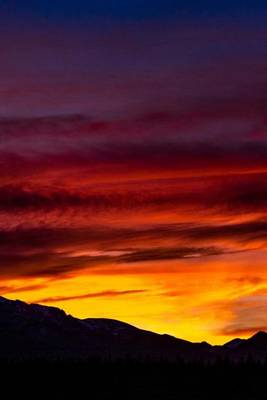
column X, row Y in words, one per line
column 193, row 299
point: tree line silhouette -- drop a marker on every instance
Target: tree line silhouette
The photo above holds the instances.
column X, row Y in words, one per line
column 133, row 379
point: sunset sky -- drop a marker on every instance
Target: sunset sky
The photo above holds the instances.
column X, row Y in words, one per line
column 133, row 155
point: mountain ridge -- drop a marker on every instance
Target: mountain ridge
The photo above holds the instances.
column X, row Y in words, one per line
column 38, row 331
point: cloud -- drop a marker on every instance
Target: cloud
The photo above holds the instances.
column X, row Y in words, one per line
column 106, row 293
column 229, row 194
column 59, row 252
column 246, row 331
column 249, row 232
column 251, row 280
column 26, row 288
column 54, row 263
column 248, row 314
column 195, row 136
column 167, row 253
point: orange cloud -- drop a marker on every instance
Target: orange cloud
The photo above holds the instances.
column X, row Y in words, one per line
column 107, row 293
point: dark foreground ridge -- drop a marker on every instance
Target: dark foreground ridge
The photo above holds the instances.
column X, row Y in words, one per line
column 48, row 354
column 33, row 331
column 132, row 380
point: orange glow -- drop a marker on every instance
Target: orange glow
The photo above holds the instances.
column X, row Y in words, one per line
column 192, row 299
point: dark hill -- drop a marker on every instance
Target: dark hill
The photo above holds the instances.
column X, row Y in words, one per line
column 29, row 331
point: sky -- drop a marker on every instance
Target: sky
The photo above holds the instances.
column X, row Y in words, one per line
column 133, row 156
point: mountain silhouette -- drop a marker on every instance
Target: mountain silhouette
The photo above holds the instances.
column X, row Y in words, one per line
column 33, row 331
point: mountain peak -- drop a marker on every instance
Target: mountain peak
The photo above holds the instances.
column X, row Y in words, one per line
column 234, row 343
column 34, row 330
column 3, row 300
column 111, row 325
column 261, row 335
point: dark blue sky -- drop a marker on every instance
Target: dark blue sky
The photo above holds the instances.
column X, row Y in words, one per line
column 133, row 9
column 121, row 56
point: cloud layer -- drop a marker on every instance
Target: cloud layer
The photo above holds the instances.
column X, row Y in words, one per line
column 136, row 157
